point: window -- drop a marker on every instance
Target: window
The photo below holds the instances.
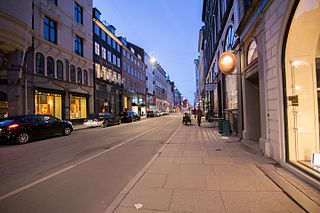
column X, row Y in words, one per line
column 124, row 66
column 129, row 69
column 96, row 48
column 50, row 30
column 118, row 47
column 50, row 66
column 39, row 63
column 114, row 59
column 78, row 14
column 114, row 44
column 124, row 53
column 78, row 45
column 85, row 77
column 104, row 73
column 98, row 70
column 78, row 107
column 79, row 75
column 103, row 35
column 97, row 30
column 252, row 52
column 59, row 69
column 48, row 103
column 109, row 40
column 109, row 57
column 54, row 1
column 103, row 53
column 118, row 62
column 72, row 73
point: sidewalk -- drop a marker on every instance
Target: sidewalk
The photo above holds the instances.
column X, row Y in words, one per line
column 200, row 171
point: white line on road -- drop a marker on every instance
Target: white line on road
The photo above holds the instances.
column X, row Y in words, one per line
column 76, row 164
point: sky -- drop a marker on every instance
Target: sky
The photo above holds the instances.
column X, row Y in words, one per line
column 166, row 29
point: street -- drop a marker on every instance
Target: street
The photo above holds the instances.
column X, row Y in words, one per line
column 82, row 172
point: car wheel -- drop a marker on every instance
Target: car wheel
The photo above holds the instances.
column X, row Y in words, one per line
column 104, row 124
column 67, row 130
column 23, row 138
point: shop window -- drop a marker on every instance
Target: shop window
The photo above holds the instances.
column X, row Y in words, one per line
column 50, row 66
column 85, row 77
column 78, row 107
column 252, row 52
column 3, row 105
column 59, row 69
column 72, row 73
column 39, row 63
column 302, row 74
column 48, row 104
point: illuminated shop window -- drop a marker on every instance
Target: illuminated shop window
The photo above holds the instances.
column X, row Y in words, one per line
column 48, row 104
column 302, row 76
column 78, row 107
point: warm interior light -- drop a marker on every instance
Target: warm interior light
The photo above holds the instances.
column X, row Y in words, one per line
column 227, row 62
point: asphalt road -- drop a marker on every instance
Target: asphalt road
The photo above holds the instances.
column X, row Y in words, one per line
column 82, row 172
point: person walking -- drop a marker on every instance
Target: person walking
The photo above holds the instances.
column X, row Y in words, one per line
column 199, row 116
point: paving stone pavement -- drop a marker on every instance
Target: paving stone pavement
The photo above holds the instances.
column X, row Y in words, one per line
column 199, row 171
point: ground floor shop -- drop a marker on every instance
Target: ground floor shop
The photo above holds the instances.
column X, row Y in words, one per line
column 134, row 102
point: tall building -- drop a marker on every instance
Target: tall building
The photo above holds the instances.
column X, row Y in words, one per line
column 276, row 80
column 16, row 27
column 56, row 77
column 134, row 77
column 160, row 86
column 107, row 66
column 150, row 84
column 170, row 95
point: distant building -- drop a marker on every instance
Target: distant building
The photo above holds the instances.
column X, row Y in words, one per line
column 177, row 99
column 107, row 66
column 48, row 58
column 160, row 86
column 150, row 84
column 170, row 95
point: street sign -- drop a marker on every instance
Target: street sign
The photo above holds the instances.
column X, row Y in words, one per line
column 210, row 86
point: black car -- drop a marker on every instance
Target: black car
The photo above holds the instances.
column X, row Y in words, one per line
column 127, row 117
column 151, row 114
column 21, row 129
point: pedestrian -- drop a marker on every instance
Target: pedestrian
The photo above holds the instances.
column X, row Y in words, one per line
column 199, row 116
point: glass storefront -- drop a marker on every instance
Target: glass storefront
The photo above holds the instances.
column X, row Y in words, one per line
column 302, row 82
column 48, row 103
column 78, row 107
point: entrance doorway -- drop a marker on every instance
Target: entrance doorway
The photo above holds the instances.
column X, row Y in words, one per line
column 252, row 119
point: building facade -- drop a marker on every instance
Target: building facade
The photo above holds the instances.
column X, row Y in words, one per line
column 160, row 86
column 150, row 84
column 278, row 50
column 170, row 95
column 107, row 67
column 134, row 77
column 58, row 69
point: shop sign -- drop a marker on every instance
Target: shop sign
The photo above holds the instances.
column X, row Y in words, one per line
column 210, row 86
column 293, row 100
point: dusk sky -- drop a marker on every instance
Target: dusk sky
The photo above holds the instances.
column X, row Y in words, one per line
column 166, row 29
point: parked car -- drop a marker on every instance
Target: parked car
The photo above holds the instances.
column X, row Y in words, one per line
column 135, row 116
column 157, row 113
column 22, row 129
column 151, row 114
column 101, row 120
column 165, row 112
column 127, row 117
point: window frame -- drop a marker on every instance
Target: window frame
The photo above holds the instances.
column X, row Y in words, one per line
column 78, row 43
column 60, row 65
column 78, row 13
column 50, row 67
column 40, row 63
column 49, row 27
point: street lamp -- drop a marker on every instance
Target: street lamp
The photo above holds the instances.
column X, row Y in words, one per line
column 227, row 62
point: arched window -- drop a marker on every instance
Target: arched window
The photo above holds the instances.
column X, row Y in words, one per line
column 85, row 77
column 59, row 69
column 50, row 66
column 79, row 75
column 252, row 52
column 39, row 63
column 72, row 73
column 230, row 39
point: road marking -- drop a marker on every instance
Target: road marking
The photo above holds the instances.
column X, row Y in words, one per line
column 76, row 164
column 123, row 193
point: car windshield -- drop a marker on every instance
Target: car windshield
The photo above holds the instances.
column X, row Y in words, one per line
column 6, row 122
column 105, row 115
